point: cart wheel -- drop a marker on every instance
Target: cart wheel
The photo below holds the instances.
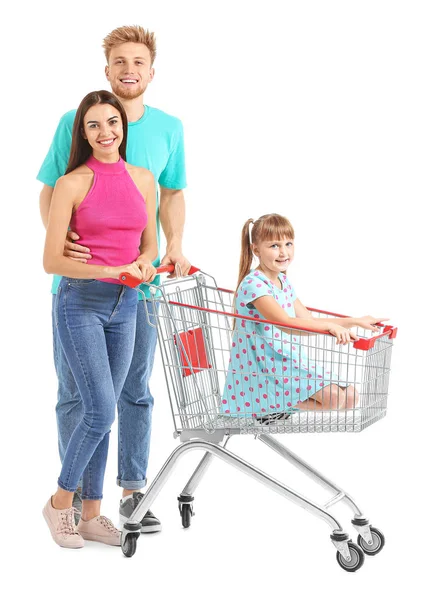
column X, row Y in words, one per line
column 357, row 558
column 378, row 541
column 186, row 514
column 130, row 544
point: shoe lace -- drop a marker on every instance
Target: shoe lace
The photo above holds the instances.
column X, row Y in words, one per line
column 108, row 524
column 67, row 523
column 137, row 497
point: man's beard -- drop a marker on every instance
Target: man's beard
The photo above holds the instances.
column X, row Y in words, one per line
column 127, row 93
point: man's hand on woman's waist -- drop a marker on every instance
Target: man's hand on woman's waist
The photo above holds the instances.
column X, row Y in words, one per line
column 76, row 251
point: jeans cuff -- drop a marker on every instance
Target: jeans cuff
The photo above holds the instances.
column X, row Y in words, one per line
column 131, row 485
column 66, row 488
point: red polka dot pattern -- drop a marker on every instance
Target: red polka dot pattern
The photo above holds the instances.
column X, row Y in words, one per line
column 266, row 349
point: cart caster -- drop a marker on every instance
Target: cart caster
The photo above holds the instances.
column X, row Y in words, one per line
column 186, row 514
column 378, row 541
column 356, row 561
column 129, row 535
column 129, row 546
column 186, row 509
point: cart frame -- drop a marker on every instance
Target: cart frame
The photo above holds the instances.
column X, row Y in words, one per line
column 213, row 441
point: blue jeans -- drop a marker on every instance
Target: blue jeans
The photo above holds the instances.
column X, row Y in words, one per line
column 134, row 405
column 96, row 326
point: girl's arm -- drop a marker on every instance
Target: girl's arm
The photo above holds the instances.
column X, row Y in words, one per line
column 367, row 322
column 272, row 311
column 303, row 312
column 60, row 212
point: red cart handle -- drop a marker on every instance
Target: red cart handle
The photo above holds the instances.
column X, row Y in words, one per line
column 132, row 282
column 368, row 343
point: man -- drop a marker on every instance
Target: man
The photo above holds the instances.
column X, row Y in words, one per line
column 155, row 141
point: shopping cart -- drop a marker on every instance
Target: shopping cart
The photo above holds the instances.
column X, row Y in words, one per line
column 197, row 329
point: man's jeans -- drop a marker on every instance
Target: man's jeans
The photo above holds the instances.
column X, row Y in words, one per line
column 134, row 405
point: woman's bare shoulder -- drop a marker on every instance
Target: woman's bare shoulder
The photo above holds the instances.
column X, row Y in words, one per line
column 75, row 181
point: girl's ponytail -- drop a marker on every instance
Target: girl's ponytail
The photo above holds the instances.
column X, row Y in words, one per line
column 246, row 255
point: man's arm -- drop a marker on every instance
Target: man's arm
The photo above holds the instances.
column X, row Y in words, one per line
column 72, row 250
column 172, row 181
column 148, row 242
column 45, row 203
column 172, row 219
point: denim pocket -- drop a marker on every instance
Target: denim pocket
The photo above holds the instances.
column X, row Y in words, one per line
column 79, row 282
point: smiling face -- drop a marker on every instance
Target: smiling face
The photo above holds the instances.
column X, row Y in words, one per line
column 129, row 70
column 275, row 255
column 103, row 129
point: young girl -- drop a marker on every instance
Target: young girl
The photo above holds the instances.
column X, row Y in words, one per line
column 111, row 205
column 269, row 374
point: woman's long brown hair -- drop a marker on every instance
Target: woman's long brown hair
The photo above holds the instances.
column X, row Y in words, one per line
column 80, row 148
column 267, row 227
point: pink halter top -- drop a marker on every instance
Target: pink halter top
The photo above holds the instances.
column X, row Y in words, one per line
column 112, row 217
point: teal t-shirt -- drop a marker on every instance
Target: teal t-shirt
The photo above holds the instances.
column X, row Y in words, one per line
column 155, row 142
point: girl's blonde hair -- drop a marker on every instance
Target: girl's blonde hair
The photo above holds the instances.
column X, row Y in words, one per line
column 267, row 227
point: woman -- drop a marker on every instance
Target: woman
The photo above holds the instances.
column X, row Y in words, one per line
column 111, row 205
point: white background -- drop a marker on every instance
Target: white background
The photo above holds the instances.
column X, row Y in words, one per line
column 329, row 112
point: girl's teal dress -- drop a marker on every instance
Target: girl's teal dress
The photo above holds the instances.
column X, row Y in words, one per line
column 269, row 370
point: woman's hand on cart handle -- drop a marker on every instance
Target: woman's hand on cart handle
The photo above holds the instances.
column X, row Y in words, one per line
column 130, row 275
column 131, row 279
column 343, row 335
column 147, row 269
column 371, row 323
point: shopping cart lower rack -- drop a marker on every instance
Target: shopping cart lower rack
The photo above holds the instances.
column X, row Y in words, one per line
column 198, row 333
